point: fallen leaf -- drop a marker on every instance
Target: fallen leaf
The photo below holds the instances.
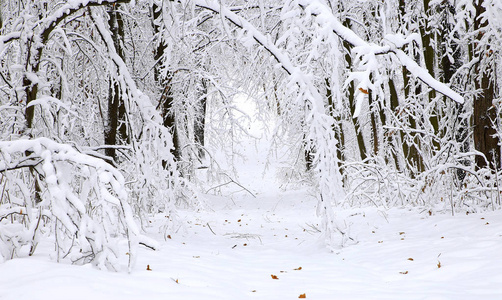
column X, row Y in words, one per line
column 439, row 264
column 239, row 220
column 401, row 233
column 253, row 291
column 169, row 236
column 302, row 296
column 410, row 259
column 364, row 91
column 404, row 273
column 274, row 276
column 487, row 223
column 380, row 242
column 298, row 269
column 245, row 244
column 148, row 268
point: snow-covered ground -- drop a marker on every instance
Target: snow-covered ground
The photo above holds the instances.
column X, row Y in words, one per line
column 267, row 247
column 233, row 251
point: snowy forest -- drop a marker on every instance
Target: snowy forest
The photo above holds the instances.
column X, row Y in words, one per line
column 114, row 113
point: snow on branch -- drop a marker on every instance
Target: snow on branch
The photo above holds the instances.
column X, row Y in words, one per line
column 319, row 137
column 325, row 17
column 81, row 200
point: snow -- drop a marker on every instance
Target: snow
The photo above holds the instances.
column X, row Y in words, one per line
column 231, row 249
column 243, row 255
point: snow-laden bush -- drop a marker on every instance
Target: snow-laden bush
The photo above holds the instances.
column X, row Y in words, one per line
column 78, row 200
column 447, row 187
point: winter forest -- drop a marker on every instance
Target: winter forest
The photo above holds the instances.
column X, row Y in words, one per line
column 129, row 126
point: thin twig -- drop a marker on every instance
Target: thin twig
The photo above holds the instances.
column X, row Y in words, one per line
column 210, row 228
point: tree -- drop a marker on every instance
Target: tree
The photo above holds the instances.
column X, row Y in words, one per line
column 485, row 113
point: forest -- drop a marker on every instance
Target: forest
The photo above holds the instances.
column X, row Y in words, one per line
column 113, row 111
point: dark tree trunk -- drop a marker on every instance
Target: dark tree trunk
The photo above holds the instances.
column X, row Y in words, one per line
column 116, row 129
column 352, row 100
column 394, row 105
column 166, row 100
column 338, row 126
column 429, row 57
column 200, row 120
column 485, row 140
column 461, row 127
column 410, row 141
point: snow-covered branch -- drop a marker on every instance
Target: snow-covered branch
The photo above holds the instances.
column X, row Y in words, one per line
column 83, row 201
column 325, row 17
column 319, row 138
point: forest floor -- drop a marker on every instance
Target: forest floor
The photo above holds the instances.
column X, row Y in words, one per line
column 266, row 246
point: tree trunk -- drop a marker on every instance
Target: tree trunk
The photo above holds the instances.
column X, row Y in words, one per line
column 337, row 128
column 351, row 99
column 166, row 99
column 485, row 114
column 411, row 140
column 116, row 129
column 200, row 120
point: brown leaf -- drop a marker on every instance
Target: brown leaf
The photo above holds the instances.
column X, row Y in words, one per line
column 148, row 268
column 274, row 276
column 302, row 296
column 401, row 233
column 298, row 269
column 364, row 91
column 404, row 273
column 410, row 259
column 169, row 236
column 439, row 264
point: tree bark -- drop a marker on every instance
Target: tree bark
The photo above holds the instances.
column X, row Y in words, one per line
column 166, row 100
column 485, row 140
column 352, row 100
column 116, row 129
column 200, row 120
